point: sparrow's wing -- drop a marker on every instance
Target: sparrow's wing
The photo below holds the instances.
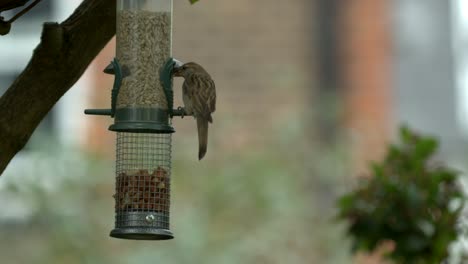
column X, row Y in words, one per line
column 203, row 95
column 212, row 96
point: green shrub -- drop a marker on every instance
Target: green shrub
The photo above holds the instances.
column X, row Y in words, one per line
column 409, row 200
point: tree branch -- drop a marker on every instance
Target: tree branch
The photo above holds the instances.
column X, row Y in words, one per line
column 10, row 4
column 24, row 11
column 63, row 55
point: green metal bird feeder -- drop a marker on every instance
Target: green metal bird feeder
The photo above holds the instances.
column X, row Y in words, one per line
column 141, row 105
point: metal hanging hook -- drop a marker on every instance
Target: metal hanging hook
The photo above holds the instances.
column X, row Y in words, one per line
column 119, row 72
column 166, row 80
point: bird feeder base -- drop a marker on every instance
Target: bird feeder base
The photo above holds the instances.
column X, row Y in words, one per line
column 142, row 226
column 142, row 233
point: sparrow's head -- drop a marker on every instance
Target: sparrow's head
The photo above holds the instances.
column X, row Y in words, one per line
column 188, row 69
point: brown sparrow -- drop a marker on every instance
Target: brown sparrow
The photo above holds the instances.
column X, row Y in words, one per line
column 199, row 96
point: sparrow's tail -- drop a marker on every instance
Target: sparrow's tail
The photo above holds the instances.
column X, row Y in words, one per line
column 202, row 125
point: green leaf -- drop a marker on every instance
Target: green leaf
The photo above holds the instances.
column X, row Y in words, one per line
column 444, row 175
column 193, row 1
column 377, row 169
column 414, row 197
column 406, row 135
column 346, row 202
column 415, row 243
column 425, row 148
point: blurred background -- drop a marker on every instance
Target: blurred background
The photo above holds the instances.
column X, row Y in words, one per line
column 308, row 93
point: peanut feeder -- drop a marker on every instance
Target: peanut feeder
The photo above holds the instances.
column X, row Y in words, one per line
column 141, row 105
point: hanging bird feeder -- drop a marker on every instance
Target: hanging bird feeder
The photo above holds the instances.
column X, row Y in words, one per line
column 141, row 105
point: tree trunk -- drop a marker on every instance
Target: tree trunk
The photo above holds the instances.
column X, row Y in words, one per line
column 60, row 59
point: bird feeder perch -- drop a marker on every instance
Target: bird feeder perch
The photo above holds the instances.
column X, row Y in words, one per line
column 141, row 106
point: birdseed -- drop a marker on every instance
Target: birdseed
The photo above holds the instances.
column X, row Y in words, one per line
column 143, row 191
column 143, row 46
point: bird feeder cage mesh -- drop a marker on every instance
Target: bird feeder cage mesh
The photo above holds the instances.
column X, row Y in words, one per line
column 143, row 180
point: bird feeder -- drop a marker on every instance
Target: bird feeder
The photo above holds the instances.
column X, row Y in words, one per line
column 141, row 106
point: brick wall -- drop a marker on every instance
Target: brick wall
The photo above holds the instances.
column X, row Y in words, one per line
column 99, row 139
column 366, row 50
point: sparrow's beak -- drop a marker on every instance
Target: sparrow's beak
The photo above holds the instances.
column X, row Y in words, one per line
column 177, row 71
